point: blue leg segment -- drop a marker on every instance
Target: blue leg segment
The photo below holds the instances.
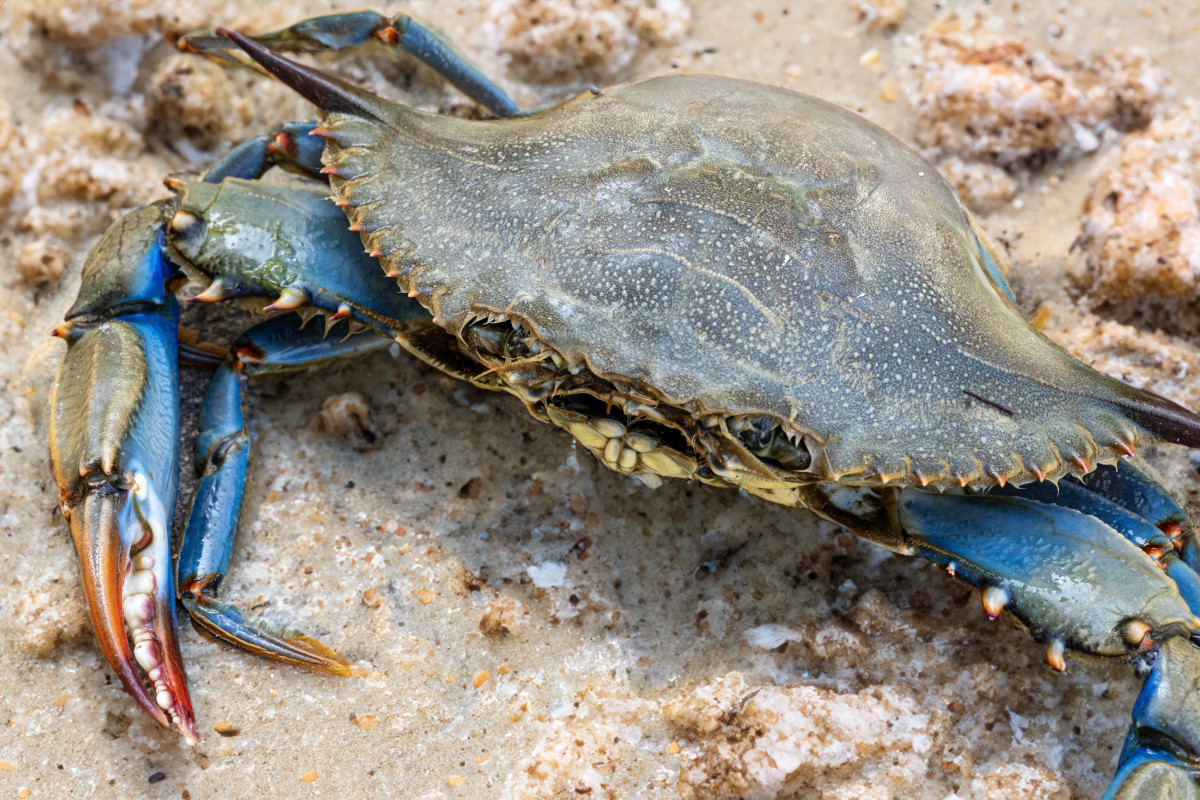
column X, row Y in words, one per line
column 222, row 458
column 1129, row 486
column 285, row 344
column 1161, row 758
column 339, row 31
column 281, row 344
column 291, row 147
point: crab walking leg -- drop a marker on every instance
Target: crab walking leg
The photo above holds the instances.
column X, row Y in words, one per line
column 291, row 146
column 280, row 344
column 115, row 451
column 339, row 31
column 1131, row 488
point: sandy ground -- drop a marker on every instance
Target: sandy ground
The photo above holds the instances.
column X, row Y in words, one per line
column 532, row 625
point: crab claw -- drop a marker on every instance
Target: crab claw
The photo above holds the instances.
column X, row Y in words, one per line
column 115, row 449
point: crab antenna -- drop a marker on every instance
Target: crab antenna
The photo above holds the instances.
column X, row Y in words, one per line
column 324, row 91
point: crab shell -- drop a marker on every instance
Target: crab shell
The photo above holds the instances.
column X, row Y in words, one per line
column 731, row 250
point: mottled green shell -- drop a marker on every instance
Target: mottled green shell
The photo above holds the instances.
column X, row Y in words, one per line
column 735, row 248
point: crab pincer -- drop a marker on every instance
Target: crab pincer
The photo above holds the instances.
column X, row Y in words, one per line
column 115, row 447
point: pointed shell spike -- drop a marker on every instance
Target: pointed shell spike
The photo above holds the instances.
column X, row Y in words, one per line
column 183, row 221
column 289, row 299
column 1056, row 655
column 213, row 293
column 994, row 598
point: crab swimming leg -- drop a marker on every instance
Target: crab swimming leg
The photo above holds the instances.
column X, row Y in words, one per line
column 339, row 31
column 114, row 446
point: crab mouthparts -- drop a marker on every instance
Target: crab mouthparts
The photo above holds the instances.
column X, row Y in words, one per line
column 123, row 540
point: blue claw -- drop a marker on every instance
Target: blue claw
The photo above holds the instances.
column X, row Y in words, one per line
column 1161, row 758
column 1072, row 579
column 279, row 240
column 114, row 445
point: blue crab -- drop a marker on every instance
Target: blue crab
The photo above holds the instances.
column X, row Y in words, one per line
column 695, row 277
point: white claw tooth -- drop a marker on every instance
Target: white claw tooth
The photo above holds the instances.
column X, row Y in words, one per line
column 137, row 610
column 164, row 699
column 146, row 655
column 154, row 673
column 140, row 581
column 144, row 561
column 183, row 221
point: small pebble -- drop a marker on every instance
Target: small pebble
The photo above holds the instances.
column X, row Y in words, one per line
column 481, row 678
column 226, row 729
column 309, row 777
column 156, row 777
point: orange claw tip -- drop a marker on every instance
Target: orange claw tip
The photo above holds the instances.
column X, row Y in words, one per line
column 1124, row 449
column 283, row 142
column 1082, row 463
column 1056, row 656
column 68, row 332
column 1041, row 474
column 330, row 170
